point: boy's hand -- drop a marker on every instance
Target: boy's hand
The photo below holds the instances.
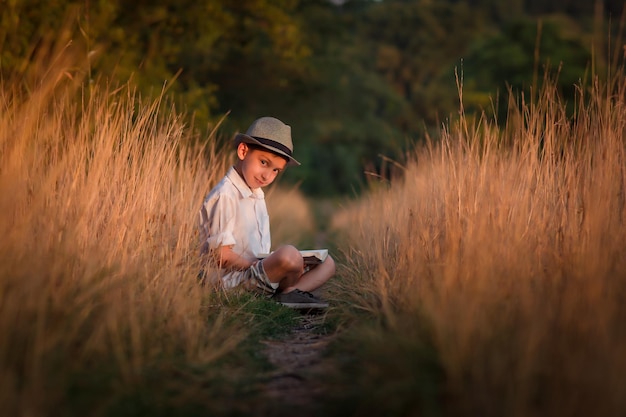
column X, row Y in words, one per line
column 308, row 267
column 227, row 259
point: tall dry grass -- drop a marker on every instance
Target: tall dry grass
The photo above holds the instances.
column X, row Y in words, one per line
column 505, row 246
column 291, row 217
column 99, row 193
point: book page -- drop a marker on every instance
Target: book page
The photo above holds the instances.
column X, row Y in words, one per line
column 314, row 256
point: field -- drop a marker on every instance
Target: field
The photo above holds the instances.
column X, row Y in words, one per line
column 486, row 277
column 494, row 266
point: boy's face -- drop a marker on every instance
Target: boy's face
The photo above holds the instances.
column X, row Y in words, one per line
column 259, row 168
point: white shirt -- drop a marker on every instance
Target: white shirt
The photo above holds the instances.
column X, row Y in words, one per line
column 234, row 214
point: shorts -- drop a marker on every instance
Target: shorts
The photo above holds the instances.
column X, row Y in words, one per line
column 255, row 279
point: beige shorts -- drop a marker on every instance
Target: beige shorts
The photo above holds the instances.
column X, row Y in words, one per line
column 256, row 279
column 253, row 278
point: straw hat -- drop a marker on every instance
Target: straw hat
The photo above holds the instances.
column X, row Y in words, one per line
column 272, row 134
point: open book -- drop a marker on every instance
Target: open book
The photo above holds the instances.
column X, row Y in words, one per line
column 311, row 256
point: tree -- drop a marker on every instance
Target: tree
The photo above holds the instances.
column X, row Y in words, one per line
column 523, row 53
column 417, row 51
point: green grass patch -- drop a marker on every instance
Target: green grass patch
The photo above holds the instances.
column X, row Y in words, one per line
column 228, row 386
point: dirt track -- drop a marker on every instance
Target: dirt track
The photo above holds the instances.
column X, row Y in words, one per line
column 300, row 365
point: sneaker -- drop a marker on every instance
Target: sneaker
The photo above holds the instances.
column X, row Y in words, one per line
column 299, row 300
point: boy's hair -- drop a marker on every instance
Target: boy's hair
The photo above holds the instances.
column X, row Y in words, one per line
column 255, row 147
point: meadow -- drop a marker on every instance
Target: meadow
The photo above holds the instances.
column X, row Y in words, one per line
column 99, row 290
column 486, row 278
column 494, row 266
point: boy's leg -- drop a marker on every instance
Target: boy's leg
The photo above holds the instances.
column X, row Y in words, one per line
column 317, row 276
column 285, row 265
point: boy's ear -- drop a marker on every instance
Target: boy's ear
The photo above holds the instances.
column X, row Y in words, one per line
column 242, row 150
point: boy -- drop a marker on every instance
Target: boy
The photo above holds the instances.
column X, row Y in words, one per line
column 234, row 222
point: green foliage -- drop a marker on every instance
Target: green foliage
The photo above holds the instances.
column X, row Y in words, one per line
column 522, row 54
column 355, row 80
column 346, row 108
column 415, row 51
column 259, row 58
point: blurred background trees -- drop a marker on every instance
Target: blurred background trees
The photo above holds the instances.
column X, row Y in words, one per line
column 358, row 80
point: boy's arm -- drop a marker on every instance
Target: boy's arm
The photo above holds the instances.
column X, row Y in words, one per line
column 226, row 258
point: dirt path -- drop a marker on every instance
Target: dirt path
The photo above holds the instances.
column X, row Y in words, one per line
column 300, row 365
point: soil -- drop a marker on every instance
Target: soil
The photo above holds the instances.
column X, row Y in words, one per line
column 299, row 364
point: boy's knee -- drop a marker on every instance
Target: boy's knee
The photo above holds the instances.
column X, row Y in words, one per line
column 290, row 258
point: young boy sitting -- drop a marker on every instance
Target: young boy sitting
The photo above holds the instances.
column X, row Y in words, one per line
column 234, row 223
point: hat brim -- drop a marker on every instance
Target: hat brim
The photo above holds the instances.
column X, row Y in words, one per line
column 243, row 138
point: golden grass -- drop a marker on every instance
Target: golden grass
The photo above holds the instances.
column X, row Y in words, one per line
column 507, row 243
column 99, row 194
column 291, row 216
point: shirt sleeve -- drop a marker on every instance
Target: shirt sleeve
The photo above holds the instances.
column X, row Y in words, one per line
column 218, row 216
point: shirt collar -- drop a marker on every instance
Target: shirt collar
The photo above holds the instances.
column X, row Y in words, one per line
column 242, row 187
